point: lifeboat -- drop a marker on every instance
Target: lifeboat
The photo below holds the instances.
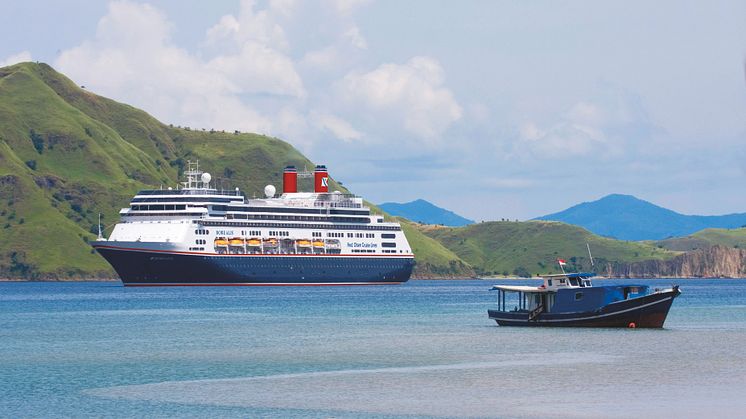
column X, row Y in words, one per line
column 236, row 241
column 254, row 242
column 303, row 243
column 221, row 242
column 318, row 243
column 270, row 242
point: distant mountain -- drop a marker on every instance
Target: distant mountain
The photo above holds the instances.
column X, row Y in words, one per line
column 425, row 212
column 628, row 218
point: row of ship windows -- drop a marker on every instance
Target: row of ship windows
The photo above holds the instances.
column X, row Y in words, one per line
column 185, row 199
column 297, row 218
column 314, row 234
column 308, row 268
column 310, row 226
column 196, row 248
column 147, row 208
column 289, row 210
column 363, row 251
column 390, row 251
column 158, row 207
column 163, row 214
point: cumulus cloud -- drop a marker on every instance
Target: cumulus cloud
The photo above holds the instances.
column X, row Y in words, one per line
column 608, row 126
column 252, row 25
column 244, row 75
column 337, row 126
column 21, row 57
column 132, row 58
column 412, row 93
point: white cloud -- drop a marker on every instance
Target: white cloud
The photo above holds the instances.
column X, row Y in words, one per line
column 613, row 124
column 355, row 38
column 258, row 69
column 251, row 25
column 133, row 59
column 337, row 126
column 412, row 93
column 347, row 7
column 21, row 57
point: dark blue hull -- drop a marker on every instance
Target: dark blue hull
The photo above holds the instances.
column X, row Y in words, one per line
column 143, row 268
column 649, row 311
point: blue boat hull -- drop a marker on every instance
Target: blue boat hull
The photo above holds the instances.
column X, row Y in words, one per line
column 649, row 311
column 155, row 268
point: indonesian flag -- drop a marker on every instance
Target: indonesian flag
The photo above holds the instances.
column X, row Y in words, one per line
column 561, row 262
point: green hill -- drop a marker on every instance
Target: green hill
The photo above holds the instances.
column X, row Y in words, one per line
column 532, row 247
column 67, row 155
column 706, row 239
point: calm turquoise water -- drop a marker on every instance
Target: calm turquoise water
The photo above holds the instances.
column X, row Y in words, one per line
column 422, row 349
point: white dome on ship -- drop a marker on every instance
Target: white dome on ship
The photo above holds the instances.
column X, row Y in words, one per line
column 269, row 191
column 206, row 177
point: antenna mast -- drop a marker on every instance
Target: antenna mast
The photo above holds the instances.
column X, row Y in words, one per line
column 100, row 234
column 588, row 246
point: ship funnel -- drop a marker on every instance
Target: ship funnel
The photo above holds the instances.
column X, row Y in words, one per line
column 290, row 180
column 320, row 179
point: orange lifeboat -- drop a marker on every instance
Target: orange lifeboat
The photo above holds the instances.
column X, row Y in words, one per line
column 254, row 242
column 236, row 241
column 221, row 242
column 303, row 243
column 318, row 243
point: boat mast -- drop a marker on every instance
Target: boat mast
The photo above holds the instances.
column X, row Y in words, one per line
column 588, row 246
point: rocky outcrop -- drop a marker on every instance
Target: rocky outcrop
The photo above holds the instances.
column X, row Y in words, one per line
column 714, row 262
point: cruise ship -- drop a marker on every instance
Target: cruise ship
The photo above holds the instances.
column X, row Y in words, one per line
column 199, row 235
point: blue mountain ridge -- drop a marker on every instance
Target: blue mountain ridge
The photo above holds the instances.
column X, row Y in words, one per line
column 425, row 212
column 626, row 217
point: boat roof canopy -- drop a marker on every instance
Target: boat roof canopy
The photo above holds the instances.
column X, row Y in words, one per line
column 571, row 275
column 518, row 288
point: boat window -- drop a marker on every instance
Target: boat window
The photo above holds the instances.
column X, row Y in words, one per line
column 550, row 282
column 573, row 282
column 587, row 282
column 562, row 281
column 578, row 296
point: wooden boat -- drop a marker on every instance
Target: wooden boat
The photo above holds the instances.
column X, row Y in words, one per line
column 570, row 300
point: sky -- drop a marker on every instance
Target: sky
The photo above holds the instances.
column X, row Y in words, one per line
column 492, row 109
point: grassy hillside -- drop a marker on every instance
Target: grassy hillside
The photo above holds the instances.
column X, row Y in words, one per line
column 532, row 247
column 67, row 155
column 705, row 239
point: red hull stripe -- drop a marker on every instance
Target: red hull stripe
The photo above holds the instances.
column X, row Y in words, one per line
column 134, row 249
column 255, row 284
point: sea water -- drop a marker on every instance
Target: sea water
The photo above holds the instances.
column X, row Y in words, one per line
column 423, row 349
